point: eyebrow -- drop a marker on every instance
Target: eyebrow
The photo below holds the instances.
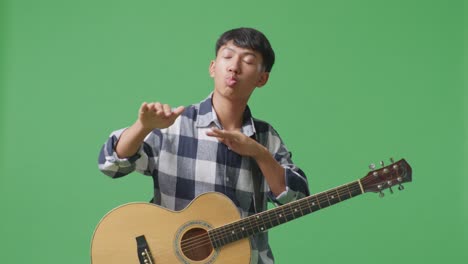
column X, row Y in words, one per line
column 243, row 53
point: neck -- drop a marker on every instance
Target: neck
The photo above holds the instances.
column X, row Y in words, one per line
column 263, row 221
column 229, row 112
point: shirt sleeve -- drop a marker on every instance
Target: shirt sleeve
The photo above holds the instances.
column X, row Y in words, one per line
column 296, row 182
column 143, row 161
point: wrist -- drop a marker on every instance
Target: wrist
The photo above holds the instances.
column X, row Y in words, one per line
column 262, row 153
column 141, row 129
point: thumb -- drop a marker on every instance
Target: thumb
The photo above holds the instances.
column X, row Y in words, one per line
column 144, row 107
column 179, row 110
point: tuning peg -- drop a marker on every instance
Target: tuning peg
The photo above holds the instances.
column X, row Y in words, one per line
column 391, row 160
column 382, row 163
column 400, row 186
column 390, row 186
column 381, row 194
column 372, row 166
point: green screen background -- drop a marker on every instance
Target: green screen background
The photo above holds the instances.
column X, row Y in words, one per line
column 355, row 82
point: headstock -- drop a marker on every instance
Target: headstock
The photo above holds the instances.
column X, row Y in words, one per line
column 387, row 177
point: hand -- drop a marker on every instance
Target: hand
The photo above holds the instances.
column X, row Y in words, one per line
column 245, row 146
column 238, row 142
column 157, row 115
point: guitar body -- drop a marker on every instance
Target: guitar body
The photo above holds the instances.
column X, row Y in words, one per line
column 135, row 231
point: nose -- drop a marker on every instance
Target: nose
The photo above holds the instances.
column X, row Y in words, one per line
column 234, row 66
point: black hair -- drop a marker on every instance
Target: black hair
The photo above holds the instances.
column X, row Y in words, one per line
column 249, row 38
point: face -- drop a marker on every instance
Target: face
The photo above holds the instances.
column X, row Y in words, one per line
column 237, row 72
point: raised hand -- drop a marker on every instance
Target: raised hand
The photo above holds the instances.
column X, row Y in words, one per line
column 150, row 116
column 157, row 115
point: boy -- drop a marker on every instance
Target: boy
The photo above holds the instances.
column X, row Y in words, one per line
column 215, row 145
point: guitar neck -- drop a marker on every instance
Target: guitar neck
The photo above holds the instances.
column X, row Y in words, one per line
column 261, row 222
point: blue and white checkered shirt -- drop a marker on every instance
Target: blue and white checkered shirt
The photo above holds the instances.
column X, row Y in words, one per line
column 184, row 163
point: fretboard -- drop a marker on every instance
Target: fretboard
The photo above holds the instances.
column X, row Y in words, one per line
column 261, row 222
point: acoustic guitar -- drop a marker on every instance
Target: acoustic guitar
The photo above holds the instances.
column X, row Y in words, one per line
column 209, row 229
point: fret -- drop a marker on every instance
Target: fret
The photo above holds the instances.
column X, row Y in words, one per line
column 347, row 187
column 338, row 195
column 251, row 226
column 318, row 202
column 344, row 193
column 323, row 200
column 268, row 221
column 256, row 223
column 327, row 200
column 288, row 213
column 212, row 237
column 309, row 203
column 224, row 240
column 241, row 231
column 301, row 207
column 331, row 197
column 235, row 231
column 305, row 207
column 282, row 218
column 350, row 190
column 296, row 212
column 280, row 213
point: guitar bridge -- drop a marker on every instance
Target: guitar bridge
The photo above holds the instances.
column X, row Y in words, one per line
column 143, row 251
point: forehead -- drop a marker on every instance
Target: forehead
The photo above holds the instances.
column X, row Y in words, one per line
column 231, row 47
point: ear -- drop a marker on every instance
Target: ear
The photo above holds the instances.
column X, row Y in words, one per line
column 211, row 69
column 263, row 79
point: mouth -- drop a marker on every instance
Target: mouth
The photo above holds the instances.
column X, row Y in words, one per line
column 231, row 81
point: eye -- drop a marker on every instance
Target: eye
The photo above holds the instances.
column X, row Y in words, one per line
column 249, row 60
column 227, row 55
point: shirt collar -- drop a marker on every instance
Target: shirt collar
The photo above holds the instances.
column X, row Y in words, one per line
column 207, row 116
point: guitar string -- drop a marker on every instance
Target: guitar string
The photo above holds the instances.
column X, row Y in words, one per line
column 191, row 243
column 302, row 205
column 206, row 241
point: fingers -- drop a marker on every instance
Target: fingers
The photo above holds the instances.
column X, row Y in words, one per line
column 161, row 110
column 214, row 132
column 167, row 110
column 144, row 108
column 158, row 108
column 222, row 134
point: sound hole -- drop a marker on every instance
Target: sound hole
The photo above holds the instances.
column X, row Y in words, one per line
column 196, row 244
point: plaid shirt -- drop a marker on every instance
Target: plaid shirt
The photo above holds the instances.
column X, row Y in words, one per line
column 184, row 163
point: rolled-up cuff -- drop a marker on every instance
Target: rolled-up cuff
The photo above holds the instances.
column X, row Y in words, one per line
column 296, row 188
column 283, row 197
column 125, row 162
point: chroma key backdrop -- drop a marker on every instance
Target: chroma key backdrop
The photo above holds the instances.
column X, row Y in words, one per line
column 355, row 83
